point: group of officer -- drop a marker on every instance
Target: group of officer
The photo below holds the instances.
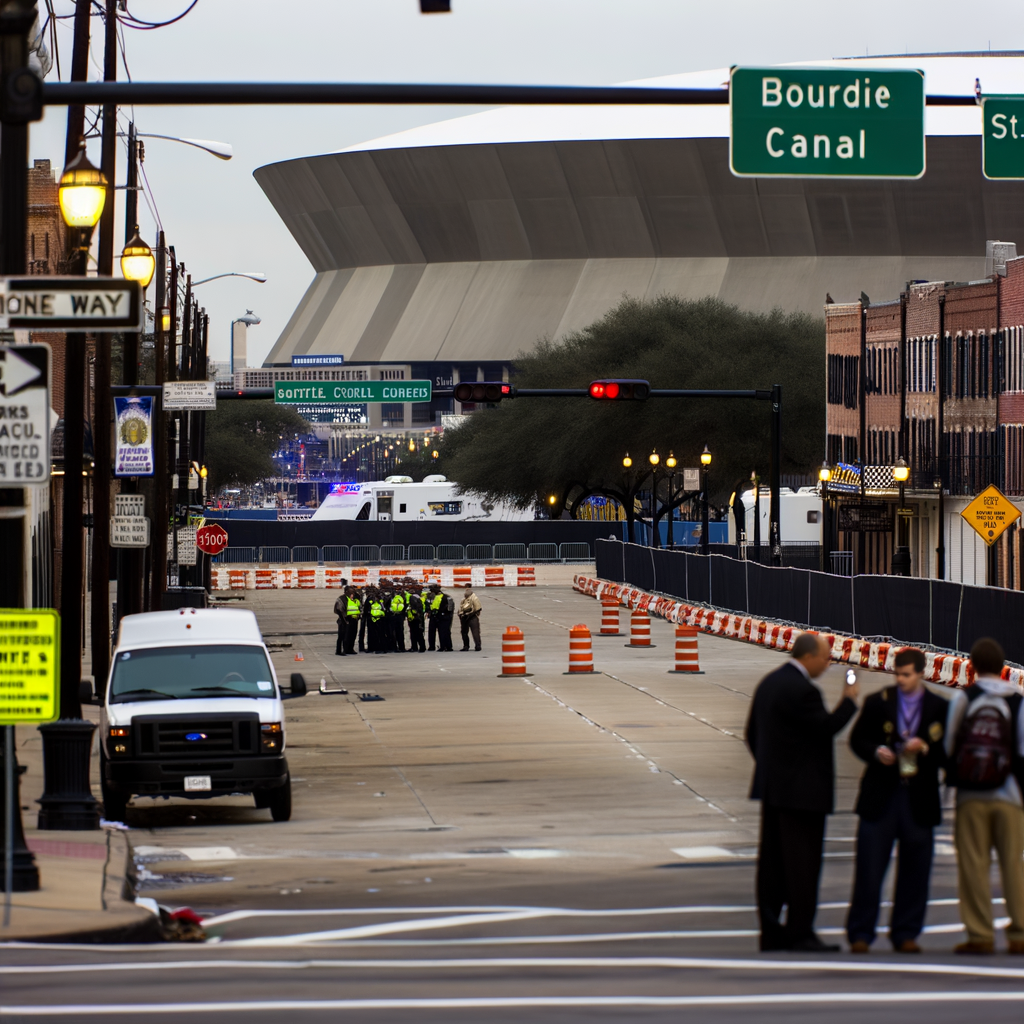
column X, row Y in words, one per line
column 376, row 616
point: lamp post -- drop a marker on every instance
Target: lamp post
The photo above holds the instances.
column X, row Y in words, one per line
column 67, row 801
column 901, row 556
column 654, row 458
column 630, row 507
column 671, row 462
column 755, row 485
column 824, row 475
column 705, row 541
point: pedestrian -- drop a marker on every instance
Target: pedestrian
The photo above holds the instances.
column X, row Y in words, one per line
column 791, row 735
column 985, row 744
column 414, row 613
column 435, row 599
column 364, row 620
column 378, row 626
column 396, row 619
column 353, row 614
column 469, row 618
column 899, row 735
column 340, row 612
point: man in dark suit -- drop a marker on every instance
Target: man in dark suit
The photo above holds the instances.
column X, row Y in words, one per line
column 899, row 735
column 791, row 735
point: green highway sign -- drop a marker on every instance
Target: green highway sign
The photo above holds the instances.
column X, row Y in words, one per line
column 288, row 392
column 1002, row 137
column 826, row 123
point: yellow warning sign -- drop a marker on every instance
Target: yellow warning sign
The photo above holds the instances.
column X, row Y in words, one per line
column 990, row 513
column 29, row 665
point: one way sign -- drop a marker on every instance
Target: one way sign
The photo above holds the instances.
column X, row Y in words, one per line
column 70, row 303
column 24, row 415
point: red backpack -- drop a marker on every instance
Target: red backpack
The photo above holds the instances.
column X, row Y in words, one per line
column 984, row 752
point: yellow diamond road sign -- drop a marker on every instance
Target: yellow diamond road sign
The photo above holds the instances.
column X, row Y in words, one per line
column 990, row 513
column 29, row 664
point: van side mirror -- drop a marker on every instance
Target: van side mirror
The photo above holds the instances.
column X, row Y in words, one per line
column 85, row 693
column 298, row 685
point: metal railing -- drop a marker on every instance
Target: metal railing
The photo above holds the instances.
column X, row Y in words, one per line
column 275, row 554
column 542, row 553
column 574, row 551
column 510, row 552
column 421, row 553
column 479, row 552
column 306, row 553
column 569, row 552
column 392, row 553
column 334, row 553
column 450, row 553
column 233, row 556
column 364, row 553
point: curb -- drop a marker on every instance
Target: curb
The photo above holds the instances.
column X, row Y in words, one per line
column 948, row 669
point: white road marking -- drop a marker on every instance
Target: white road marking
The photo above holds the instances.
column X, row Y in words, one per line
column 603, row 963
column 703, row 852
column 513, row 1002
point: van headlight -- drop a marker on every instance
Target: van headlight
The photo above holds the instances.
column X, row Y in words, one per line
column 119, row 740
column 271, row 737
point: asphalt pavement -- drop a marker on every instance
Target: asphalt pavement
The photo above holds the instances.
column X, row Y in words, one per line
column 559, row 848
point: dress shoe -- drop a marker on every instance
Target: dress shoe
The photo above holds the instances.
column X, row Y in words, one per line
column 975, row 948
column 812, row 944
column 907, row 946
column 860, row 946
column 1016, row 947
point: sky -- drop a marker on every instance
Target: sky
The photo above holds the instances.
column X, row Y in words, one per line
column 218, row 218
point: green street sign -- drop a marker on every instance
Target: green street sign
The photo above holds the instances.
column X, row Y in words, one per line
column 826, row 123
column 288, row 392
column 1002, row 137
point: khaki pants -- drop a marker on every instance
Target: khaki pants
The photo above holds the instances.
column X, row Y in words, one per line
column 980, row 826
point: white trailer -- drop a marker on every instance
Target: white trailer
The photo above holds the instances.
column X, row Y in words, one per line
column 399, row 499
column 799, row 515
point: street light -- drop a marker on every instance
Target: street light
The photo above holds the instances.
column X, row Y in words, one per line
column 824, row 475
column 671, row 462
column 705, row 462
column 627, row 461
column 137, row 261
column 67, row 801
column 901, row 556
column 252, row 275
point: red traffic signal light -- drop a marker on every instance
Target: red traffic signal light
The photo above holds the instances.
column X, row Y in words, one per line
column 483, row 391
column 619, row 390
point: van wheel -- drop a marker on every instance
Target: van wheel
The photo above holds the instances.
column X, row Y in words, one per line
column 280, row 802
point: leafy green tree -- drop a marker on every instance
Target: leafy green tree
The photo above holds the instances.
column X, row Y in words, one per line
column 241, row 437
column 573, row 448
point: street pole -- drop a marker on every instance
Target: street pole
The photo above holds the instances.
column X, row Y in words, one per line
column 671, row 508
column 826, row 528
column 705, row 540
column 755, row 480
column 774, row 533
column 158, row 530
column 940, row 447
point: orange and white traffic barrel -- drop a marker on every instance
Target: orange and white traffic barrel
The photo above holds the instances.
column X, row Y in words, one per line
column 610, row 617
column 581, row 651
column 513, row 653
column 494, row 576
column 687, row 660
column 526, row 576
column 639, row 629
column 307, row 579
column 462, row 574
column 236, row 578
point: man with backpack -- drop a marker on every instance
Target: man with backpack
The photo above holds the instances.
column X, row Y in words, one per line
column 469, row 618
column 985, row 744
column 899, row 735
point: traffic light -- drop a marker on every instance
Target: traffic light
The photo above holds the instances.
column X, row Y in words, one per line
column 483, row 391
column 620, row 390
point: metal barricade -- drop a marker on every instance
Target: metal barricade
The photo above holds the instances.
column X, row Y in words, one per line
column 543, row 553
column 335, row 552
column 479, row 552
column 421, row 552
column 275, row 554
column 575, row 551
column 509, row 552
column 450, row 553
column 306, row 553
column 364, row 553
column 236, row 556
column 392, row 553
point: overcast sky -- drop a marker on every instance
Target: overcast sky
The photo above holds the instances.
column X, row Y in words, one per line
column 218, row 218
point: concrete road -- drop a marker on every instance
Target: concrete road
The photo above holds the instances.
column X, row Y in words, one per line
column 474, row 848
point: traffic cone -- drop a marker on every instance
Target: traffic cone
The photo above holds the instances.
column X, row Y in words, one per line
column 610, row 617
column 687, row 661
column 298, row 656
column 513, row 654
column 640, row 630
column 581, row 652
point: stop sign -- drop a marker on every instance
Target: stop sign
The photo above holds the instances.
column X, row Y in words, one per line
column 212, row 539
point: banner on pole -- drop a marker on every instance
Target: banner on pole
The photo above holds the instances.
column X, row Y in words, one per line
column 134, row 420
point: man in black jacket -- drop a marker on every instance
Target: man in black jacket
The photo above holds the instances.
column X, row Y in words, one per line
column 791, row 735
column 898, row 735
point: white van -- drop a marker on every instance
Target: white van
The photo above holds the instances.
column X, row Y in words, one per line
column 192, row 708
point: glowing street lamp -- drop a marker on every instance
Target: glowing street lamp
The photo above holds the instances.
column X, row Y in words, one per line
column 705, row 540
column 138, row 262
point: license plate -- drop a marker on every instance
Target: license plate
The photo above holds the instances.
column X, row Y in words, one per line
column 197, row 783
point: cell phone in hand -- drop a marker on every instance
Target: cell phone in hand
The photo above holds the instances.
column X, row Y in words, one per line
column 851, row 677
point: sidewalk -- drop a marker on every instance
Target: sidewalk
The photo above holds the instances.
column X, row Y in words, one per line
column 85, row 892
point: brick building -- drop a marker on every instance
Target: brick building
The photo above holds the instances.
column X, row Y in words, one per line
column 937, row 377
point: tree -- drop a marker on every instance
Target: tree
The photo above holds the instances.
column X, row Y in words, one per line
column 573, row 448
column 241, row 437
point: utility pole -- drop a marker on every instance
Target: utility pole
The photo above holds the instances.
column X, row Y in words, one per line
column 100, row 615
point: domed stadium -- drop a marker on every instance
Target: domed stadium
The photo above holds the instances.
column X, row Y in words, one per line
column 443, row 251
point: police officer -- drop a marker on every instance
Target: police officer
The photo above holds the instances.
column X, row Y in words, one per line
column 396, row 619
column 353, row 613
column 435, row 599
column 377, row 624
column 339, row 611
column 414, row 613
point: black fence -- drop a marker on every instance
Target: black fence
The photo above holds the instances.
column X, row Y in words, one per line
column 904, row 609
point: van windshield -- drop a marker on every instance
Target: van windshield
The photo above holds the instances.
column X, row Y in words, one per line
column 210, row 670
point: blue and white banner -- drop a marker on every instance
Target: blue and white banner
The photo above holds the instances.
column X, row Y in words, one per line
column 134, row 424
